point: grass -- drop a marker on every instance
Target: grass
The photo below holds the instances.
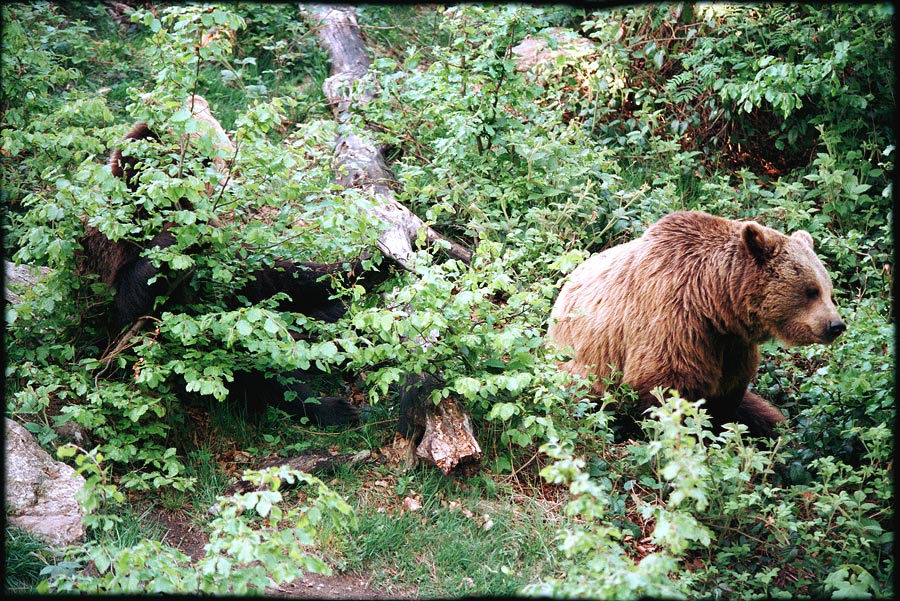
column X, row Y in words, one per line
column 488, row 535
column 209, row 482
column 459, row 538
column 24, row 556
column 136, row 525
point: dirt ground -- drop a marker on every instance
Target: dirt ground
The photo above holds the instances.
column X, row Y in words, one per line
column 340, row 586
column 189, row 539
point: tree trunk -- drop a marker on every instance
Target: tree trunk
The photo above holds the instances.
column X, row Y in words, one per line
column 438, row 434
column 357, row 160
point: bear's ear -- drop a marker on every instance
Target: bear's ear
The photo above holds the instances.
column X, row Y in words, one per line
column 125, row 167
column 759, row 242
column 803, row 237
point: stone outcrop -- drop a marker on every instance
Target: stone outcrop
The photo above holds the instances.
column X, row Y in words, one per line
column 40, row 491
column 18, row 279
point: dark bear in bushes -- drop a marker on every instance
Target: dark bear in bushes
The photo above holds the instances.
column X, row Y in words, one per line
column 122, row 266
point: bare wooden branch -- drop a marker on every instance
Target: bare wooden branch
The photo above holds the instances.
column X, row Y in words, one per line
column 124, row 341
column 358, row 161
column 199, row 108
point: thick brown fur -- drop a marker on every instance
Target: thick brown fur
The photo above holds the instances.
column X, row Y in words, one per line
column 686, row 305
column 100, row 255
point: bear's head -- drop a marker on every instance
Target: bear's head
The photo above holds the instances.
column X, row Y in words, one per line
column 792, row 299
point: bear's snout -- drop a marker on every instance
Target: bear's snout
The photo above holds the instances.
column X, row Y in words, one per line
column 835, row 329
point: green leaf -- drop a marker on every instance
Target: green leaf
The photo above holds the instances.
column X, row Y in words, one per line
column 271, row 326
column 503, row 410
column 66, row 451
column 263, row 507
column 182, row 262
column 243, row 327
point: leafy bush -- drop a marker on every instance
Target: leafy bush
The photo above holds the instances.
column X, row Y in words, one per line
column 63, row 320
column 730, row 78
column 494, row 163
column 43, row 54
column 713, row 520
column 254, row 542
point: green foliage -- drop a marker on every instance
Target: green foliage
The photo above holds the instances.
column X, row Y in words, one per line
column 447, row 322
column 254, row 542
column 277, row 53
column 493, row 161
column 710, row 499
column 840, row 393
column 714, row 77
column 61, row 320
column 183, row 40
column 45, row 53
column 98, row 493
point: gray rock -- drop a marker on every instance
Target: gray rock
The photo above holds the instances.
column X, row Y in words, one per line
column 40, row 492
column 17, row 279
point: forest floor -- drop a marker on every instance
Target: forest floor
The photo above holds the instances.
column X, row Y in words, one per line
column 183, row 534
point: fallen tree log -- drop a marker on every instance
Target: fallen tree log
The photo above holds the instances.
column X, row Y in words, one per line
column 357, row 160
column 438, row 434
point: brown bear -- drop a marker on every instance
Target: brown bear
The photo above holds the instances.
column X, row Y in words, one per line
column 686, row 305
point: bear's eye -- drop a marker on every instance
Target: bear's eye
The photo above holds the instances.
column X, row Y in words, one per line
column 812, row 293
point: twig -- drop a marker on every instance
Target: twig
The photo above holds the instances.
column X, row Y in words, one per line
column 122, row 343
column 231, row 161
